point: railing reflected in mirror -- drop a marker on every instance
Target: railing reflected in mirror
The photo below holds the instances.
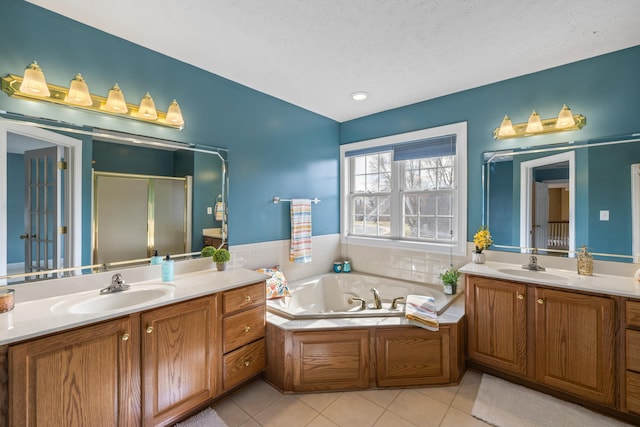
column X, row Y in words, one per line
column 552, row 199
column 49, row 193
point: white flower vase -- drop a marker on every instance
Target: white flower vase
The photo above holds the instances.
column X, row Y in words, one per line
column 478, row 257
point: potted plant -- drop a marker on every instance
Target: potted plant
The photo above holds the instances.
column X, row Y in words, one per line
column 449, row 280
column 482, row 240
column 221, row 257
column 207, row 251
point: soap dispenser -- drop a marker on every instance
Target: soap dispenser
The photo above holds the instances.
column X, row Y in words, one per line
column 156, row 259
column 585, row 262
column 167, row 269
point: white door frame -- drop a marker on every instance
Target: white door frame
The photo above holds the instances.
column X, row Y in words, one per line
column 73, row 187
column 635, row 211
column 526, row 193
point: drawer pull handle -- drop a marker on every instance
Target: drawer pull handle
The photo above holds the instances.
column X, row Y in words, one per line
column 540, row 301
column 247, row 298
column 125, row 337
column 520, row 296
column 247, row 363
column 247, row 329
column 149, row 329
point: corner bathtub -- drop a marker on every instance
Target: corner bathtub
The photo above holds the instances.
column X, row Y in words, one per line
column 327, row 296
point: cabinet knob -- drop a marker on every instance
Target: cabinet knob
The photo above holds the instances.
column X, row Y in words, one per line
column 125, row 337
column 247, row 298
column 520, row 296
column 247, row 363
column 247, row 329
column 149, row 329
column 540, row 301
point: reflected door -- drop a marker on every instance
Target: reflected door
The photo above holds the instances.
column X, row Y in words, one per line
column 540, row 216
column 44, row 235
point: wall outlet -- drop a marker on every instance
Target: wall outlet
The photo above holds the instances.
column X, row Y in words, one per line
column 604, row 215
column 209, row 210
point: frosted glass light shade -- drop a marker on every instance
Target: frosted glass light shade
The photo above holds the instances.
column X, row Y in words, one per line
column 147, row 108
column 565, row 118
column 78, row 92
column 174, row 115
column 33, row 82
column 115, row 101
column 506, row 127
column 534, row 124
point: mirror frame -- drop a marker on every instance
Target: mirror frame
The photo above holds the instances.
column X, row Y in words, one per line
column 106, row 135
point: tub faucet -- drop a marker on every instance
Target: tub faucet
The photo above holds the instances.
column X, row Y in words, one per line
column 376, row 299
column 533, row 264
column 117, row 285
column 363, row 303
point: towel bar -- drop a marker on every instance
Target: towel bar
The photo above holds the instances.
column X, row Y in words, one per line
column 277, row 200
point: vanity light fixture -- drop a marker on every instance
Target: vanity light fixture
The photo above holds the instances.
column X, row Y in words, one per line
column 33, row 86
column 535, row 126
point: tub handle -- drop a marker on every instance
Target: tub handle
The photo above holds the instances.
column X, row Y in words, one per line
column 394, row 303
column 363, row 303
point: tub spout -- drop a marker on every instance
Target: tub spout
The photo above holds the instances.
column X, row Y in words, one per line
column 376, row 299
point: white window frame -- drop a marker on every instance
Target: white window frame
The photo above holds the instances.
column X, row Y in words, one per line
column 460, row 184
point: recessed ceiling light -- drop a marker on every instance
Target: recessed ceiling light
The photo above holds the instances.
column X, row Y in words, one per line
column 359, row 96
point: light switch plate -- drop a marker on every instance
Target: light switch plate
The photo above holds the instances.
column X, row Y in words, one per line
column 604, row 215
column 209, row 210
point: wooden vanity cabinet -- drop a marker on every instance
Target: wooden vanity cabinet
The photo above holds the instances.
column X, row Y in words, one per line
column 178, row 359
column 560, row 339
column 83, row 377
column 632, row 356
column 243, row 331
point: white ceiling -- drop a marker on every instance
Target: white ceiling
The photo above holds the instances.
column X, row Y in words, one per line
column 315, row 53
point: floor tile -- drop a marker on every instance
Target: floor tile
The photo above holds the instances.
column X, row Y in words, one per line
column 467, row 393
column 286, row 411
column 231, row 413
column 389, row 419
column 352, row 410
column 318, row 401
column 322, row 421
column 419, row 409
column 456, row 418
column 250, row 423
column 256, row 396
column 443, row 394
column 380, row 397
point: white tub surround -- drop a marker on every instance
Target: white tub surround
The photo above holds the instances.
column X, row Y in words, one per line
column 33, row 315
column 558, row 278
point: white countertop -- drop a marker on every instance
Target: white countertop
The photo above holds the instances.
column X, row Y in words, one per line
column 32, row 316
column 598, row 283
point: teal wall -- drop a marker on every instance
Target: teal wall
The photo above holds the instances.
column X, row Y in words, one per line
column 275, row 148
column 605, row 89
column 15, row 208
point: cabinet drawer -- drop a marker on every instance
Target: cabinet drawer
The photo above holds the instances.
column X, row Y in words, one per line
column 632, row 350
column 633, row 392
column 633, row 313
column 243, row 363
column 247, row 296
column 242, row 328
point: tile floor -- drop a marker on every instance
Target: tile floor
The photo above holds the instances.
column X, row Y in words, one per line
column 259, row 404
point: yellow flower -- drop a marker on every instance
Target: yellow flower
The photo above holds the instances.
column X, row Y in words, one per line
column 482, row 239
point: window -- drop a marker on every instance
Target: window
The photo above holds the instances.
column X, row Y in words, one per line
column 407, row 190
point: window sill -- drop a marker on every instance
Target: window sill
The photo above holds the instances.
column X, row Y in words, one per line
column 455, row 249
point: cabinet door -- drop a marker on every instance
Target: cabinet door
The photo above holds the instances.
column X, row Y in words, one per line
column 497, row 320
column 575, row 343
column 412, row 356
column 83, row 377
column 178, row 359
column 330, row 360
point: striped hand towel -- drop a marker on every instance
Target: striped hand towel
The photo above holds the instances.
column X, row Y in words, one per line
column 300, row 252
column 421, row 311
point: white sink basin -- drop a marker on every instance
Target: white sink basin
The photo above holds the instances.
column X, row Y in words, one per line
column 529, row 274
column 94, row 302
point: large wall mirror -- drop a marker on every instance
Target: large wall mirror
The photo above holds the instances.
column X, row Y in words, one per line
column 553, row 199
column 77, row 199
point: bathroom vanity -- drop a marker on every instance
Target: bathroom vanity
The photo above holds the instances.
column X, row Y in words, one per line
column 568, row 335
column 150, row 366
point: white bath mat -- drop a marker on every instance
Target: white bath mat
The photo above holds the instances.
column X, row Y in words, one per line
column 504, row 404
column 206, row 418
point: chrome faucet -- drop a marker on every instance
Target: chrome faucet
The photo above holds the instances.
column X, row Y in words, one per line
column 394, row 303
column 533, row 264
column 363, row 303
column 117, row 285
column 377, row 302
